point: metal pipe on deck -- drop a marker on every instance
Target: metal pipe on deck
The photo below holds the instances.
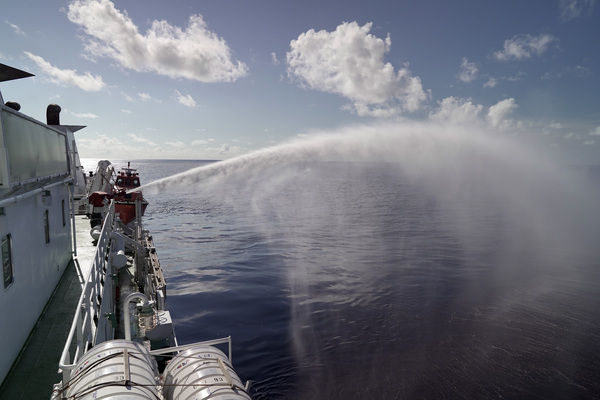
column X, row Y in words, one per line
column 128, row 299
column 72, row 215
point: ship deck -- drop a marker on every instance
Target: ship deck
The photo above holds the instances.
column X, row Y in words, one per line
column 36, row 368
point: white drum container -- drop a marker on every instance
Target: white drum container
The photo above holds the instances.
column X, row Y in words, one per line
column 117, row 369
column 202, row 372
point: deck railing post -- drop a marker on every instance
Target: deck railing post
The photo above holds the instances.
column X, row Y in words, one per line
column 82, row 327
column 79, row 328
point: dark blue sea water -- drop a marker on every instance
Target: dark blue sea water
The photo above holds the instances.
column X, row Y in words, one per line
column 341, row 280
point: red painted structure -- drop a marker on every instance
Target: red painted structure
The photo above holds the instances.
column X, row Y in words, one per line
column 125, row 180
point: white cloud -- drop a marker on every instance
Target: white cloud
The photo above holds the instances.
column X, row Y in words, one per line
column 127, row 97
column 555, row 125
column 580, row 71
column 144, row 96
column 515, row 78
column 350, row 62
column 96, row 147
column 577, row 71
column 193, row 53
column 127, row 146
column 227, row 149
column 178, row 144
column 126, row 111
column 102, row 141
column 70, row 77
column 186, row 100
column 498, row 113
column 589, row 142
column 456, row 110
column 83, row 115
column 468, row 71
column 571, row 9
column 141, row 139
column 595, row 132
column 377, row 111
column 16, row 28
column 524, row 46
column 199, row 142
column 491, row 82
column 274, row 58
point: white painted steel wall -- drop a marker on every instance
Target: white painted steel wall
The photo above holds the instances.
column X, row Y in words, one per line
column 37, row 265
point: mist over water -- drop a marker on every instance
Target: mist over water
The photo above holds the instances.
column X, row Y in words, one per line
column 405, row 260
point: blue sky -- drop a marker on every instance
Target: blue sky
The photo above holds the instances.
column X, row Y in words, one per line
column 215, row 79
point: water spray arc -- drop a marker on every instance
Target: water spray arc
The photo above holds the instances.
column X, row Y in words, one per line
column 424, row 233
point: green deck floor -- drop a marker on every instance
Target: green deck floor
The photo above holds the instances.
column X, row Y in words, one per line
column 36, row 369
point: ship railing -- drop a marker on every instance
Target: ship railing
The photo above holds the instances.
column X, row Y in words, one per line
column 213, row 342
column 82, row 335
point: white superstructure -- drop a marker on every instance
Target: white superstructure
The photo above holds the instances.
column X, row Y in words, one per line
column 38, row 174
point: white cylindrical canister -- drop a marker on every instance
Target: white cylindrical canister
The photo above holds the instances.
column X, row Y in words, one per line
column 117, row 369
column 202, row 372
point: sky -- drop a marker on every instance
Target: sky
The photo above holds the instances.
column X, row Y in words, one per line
column 214, row 79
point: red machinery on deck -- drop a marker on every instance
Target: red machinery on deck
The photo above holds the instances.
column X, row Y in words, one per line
column 125, row 203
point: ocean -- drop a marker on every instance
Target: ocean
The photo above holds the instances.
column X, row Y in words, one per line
column 358, row 279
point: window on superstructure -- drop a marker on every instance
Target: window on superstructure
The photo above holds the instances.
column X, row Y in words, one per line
column 7, row 269
column 63, row 213
column 47, row 226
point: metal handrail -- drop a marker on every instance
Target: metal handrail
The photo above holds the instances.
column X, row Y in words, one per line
column 82, row 327
column 225, row 340
column 33, row 192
